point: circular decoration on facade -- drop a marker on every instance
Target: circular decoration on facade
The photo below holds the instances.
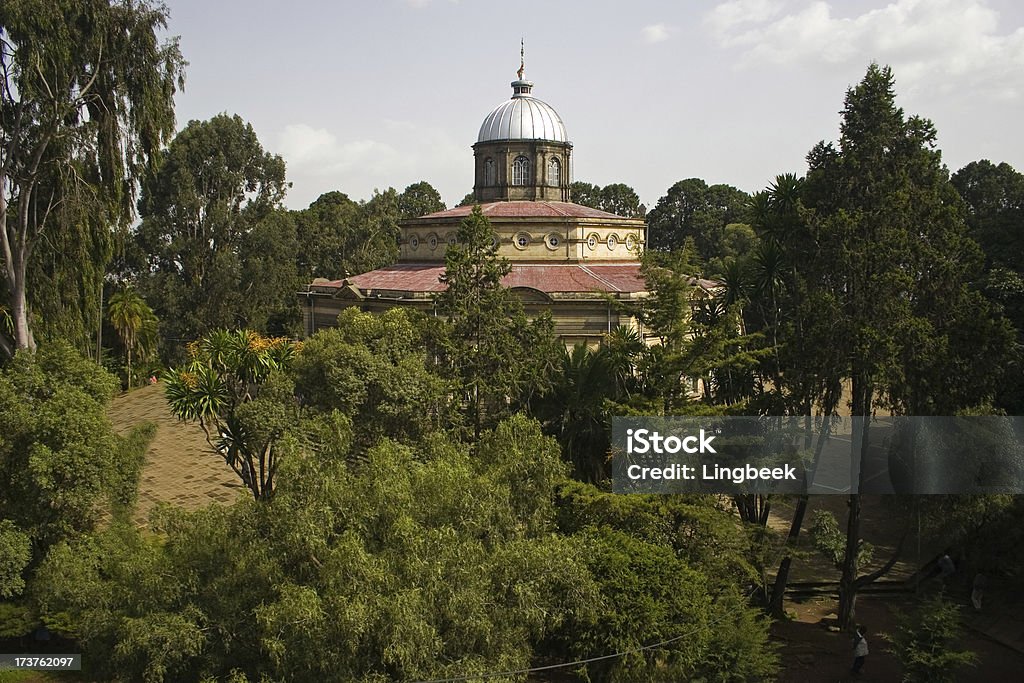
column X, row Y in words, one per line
column 521, row 240
column 612, row 242
column 631, row 242
column 432, row 241
column 592, row 240
column 452, row 239
column 414, row 242
column 495, row 242
column 553, row 241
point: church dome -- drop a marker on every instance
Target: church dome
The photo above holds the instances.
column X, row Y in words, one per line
column 523, row 117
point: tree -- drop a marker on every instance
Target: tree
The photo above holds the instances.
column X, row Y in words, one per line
column 61, row 463
column 924, row 642
column 419, row 199
column 891, row 261
column 575, row 411
column 496, row 353
column 994, row 195
column 692, row 209
column 235, row 388
column 134, row 322
column 374, row 369
column 216, row 195
column 418, row 564
column 617, row 198
column 86, row 101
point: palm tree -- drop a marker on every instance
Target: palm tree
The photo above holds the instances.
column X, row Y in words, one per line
column 134, row 322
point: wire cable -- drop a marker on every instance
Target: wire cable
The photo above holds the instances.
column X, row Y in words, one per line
column 518, row 672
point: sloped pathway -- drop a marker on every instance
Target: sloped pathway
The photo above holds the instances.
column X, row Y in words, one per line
column 181, row 468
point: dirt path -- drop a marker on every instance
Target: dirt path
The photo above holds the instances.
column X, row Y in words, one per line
column 811, row 651
column 181, row 468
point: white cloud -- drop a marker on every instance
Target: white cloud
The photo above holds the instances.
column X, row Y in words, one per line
column 727, row 15
column 944, row 44
column 656, row 33
column 318, row 161
column 317, row 151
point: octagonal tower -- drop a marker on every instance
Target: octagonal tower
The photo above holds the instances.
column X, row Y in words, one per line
column 522, row 151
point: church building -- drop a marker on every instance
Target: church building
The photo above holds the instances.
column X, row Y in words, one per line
column 565, row 258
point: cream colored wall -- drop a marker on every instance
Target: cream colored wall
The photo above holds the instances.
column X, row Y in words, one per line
column 573, row 238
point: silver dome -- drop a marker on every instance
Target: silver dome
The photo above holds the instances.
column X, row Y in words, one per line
column 523, row 117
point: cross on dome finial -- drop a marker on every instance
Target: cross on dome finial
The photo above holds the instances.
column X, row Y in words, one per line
column 522, row 58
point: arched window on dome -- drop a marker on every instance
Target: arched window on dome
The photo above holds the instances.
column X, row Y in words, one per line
column 554, row 172
column 521, row 171
column 489, row 177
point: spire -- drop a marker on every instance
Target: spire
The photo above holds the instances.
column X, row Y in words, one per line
column 520, row 87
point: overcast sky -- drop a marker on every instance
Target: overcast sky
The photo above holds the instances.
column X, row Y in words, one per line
column 363, row 95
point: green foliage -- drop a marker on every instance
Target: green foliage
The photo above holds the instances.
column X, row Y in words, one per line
column 994, row 195
column 691, row 209
column 411, row 565
column 659, row 611
column 235, row 388
column 617, row 198
column 705, row 535
column 86, row 102
column 60, row 461
column 215, row 249
column 16, row 619
column 419, row 199
column 830, row 540
column 490, row 347
column 374, row 369
column 135, row 323
column 338, row 237
column 925, row 642
column 575, row 410
column 61, row 464
column 15, row 553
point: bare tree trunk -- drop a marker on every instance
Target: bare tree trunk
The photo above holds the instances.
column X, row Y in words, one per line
column 775, row 606
column 848, row 583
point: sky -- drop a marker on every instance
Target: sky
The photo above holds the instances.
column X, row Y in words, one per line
column 358, row 96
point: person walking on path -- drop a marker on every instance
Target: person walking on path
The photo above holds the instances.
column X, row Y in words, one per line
column 979, row 589
column 860, row 650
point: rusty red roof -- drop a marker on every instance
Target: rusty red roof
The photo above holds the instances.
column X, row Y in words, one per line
column 554, row 278
column 520, row 209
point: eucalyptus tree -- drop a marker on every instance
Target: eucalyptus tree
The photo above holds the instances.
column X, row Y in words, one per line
column 86, row 101
column 213, row 234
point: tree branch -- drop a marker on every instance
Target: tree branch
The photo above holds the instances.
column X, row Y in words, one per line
column 869, row 578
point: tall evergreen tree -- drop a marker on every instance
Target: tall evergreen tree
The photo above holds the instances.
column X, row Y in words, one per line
column 497, row 354
column 892, row 260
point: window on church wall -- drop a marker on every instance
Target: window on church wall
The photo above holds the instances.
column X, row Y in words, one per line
column 489, row 175
column 521, row 171
column 554, row 172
